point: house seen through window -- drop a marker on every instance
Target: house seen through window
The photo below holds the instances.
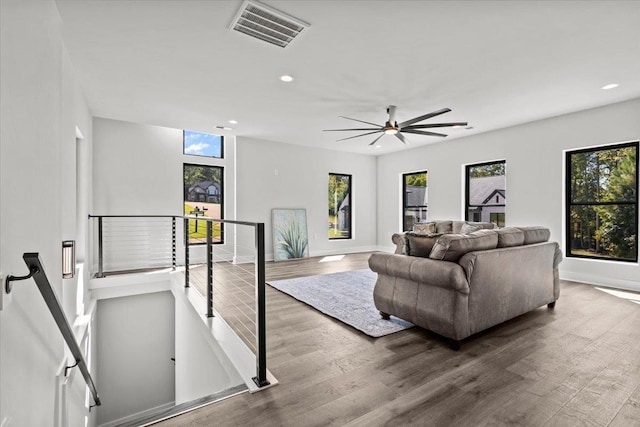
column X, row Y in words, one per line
column 486, row 192
column 414, row 199
column 602, row 202
column 339, row 206
column 203, row 197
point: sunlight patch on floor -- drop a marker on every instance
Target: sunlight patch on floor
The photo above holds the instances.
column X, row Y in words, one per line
column 332, row 258
column 631, row 296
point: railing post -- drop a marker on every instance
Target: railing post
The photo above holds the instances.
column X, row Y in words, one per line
column 173, row 242
column 261, row 317
column 186, row 252
column 100, row 251
column 210, row 269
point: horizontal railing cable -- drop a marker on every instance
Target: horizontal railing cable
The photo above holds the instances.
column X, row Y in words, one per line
column 231, row 278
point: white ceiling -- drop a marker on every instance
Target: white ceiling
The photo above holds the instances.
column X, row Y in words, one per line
column 494, row 63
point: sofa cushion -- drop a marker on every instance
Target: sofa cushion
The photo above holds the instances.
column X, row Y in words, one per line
column 535, row 234
column 510, row 236
column 424, row 228
column 450, row 247
column 419, row 244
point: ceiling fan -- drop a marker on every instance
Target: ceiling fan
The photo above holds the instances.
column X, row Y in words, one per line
column 392, row 127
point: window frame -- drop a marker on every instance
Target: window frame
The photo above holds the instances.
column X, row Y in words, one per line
column 467, row 190
column 222, row 143
column 404, row 196
column 569, row 204
column 221, row 195
column 350, row 211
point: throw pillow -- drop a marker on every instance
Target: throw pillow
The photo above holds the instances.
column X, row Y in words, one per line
column 424, row 228
column 420, row 244
column 468, row 229
column 444, row 227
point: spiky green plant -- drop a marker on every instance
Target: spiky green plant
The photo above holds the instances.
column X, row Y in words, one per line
column 293, row 239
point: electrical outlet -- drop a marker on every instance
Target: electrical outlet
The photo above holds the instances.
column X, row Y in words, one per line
column 5, row 299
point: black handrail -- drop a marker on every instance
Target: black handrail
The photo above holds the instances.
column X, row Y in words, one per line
column 32, row 259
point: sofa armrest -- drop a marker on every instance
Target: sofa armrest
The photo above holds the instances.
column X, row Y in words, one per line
column 400, row 242
column 443, row 274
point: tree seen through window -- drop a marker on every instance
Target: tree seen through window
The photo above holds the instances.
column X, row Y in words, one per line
column 602, row 202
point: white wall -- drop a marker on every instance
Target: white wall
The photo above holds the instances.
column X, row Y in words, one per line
column 40, row 107
column 135, row 344
column 535, row 178
column 137, row 170
column 276, row 175
column 202, row 368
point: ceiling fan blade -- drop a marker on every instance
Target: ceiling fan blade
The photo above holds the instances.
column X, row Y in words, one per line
column 421, row 132
column 338, row 130
column 402, row 138
column 358, row 136
column 436, row 125
column 361, row 121
column 425, row 117
column 376, row 140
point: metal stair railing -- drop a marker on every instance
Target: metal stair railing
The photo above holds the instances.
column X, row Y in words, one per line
column 36, row 270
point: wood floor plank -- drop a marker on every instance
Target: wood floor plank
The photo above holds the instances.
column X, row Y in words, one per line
column 578, row 364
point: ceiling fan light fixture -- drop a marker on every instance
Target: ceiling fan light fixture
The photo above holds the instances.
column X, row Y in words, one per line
column 391, row 130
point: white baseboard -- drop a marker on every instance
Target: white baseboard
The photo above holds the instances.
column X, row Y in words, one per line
column 590, row 279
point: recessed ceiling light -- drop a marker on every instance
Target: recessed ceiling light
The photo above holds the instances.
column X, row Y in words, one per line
column 233, row 122
column 286, row 78
column 376, row 146
column 610, row 86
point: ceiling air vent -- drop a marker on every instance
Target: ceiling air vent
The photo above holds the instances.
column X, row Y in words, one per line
column 267, row 24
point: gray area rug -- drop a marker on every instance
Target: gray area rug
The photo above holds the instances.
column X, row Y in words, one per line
column 346, row 296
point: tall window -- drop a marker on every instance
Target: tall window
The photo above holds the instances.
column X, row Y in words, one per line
column 486, row 185
column 414, row 199
column 203, row 197
column 602, row 202
column 203, row 144
column 339, row 206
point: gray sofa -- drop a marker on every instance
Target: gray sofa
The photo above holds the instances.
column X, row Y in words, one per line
column 458, row 284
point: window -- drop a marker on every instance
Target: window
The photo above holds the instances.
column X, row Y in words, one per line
column 339, row 206
column 202, row 144
column 602, row 202
column 414, row 199
column 203, row 197
column 486, row 192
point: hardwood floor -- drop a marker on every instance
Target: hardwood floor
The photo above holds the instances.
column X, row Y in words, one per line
column 577, row 365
